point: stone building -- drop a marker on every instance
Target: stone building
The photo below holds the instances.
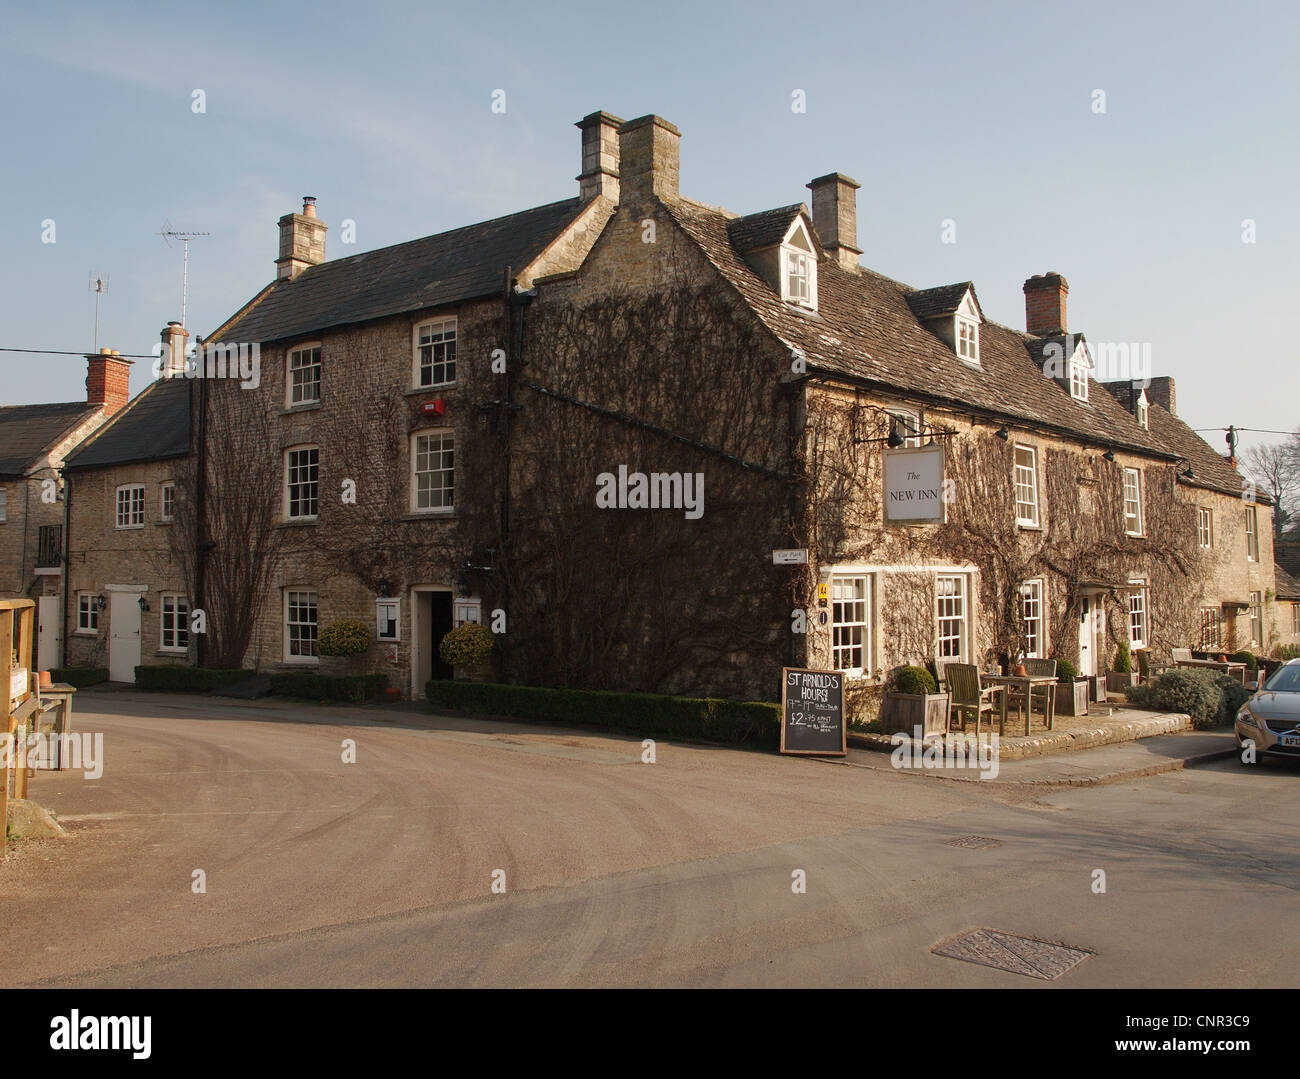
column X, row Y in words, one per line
column 34, row 443
column 596, row 420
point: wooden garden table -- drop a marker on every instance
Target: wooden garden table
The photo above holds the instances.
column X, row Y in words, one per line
column 1028, row 683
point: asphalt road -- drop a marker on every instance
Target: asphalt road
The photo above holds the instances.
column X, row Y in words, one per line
column 616, row 872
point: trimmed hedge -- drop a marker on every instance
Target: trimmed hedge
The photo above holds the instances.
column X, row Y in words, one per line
column 640, row 714
column 1246, row 657
column 80, row 677
column 916, row 680
column 174, row 678
column 1211, row 698
column 1066, row 671
column 353, row 688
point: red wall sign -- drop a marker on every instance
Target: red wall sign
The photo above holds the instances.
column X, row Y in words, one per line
column 434, row 408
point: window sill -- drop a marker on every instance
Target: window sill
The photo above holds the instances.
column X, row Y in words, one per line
column 429, row 515
column 172, row 653
column 297, row 664
column 169, row 521
column 306, row 406
column 299, row 522
column 127, row 528
column 415, row 391
column 85, row 633
column 1029, row 526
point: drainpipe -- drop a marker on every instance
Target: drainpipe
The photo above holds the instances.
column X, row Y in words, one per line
column 66, row 559
column 200, row 492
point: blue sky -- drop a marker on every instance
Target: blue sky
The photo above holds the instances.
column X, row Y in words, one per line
column 982, row 114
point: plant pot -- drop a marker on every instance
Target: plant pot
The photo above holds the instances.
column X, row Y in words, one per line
column 1121, row 682
column 392, row 693
column 1019, row 670
column 1096, row 687
column 1072, row 697
column 45, row 680
column 904, row 712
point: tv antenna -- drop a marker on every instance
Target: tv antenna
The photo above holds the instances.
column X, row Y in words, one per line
column 168, row 234
column 98, row 285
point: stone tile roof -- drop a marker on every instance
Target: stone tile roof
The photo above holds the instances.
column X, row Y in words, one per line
column 866, row 330
column 756, row 231
column 1210, row 470
column 1287, row 586
column 936, row 302
column 28, row 431
column 450, row 267
column 153, row 427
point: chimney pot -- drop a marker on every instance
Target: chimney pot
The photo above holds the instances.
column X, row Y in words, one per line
column 1045, row 296
column 835, row 216
column 649, row 159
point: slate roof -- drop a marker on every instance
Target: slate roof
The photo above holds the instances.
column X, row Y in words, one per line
column 1287, row 586
column 28, row 431
column 153, row 427
column 450, row 267
column 866, row 330
column 936, row 302
column 764, row 229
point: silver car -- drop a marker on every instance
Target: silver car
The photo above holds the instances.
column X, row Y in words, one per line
column 1270, row 720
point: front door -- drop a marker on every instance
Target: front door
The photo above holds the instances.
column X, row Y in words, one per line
column 1087, row 660
column 123, row 636
column 47, row 633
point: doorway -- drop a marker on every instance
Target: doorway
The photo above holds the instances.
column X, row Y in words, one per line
column 123, row 636
column 1088, row 635
column 48, row 655
column 431, row 618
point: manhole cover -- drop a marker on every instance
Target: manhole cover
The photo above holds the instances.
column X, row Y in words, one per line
column 974, row 842
column 1020, row 955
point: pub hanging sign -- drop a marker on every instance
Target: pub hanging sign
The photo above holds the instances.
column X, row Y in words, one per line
column 914, row 486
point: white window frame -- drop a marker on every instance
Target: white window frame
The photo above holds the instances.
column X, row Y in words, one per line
column 1031, row 599
column 382, row 602
column 799, row 264
column 466, row 612
column 1295, row 618
column 432, row 432
column 1019, row 473
column 180, row 612
column 447, row 331
column 1256, row 612
column 289, row 482
column 134, row 504
column 87, row 614
column 4, row 505
column 967, row 337
column 1204, row 527
column 166, row 512
column 908, row 425
column 1210, row 629
column 292, row 385
column 958, row 613
column 299, row 657
column 850, row 635
column 1139, row 614
column 1143, row 410
column 1136, row 500
column 1252, row 534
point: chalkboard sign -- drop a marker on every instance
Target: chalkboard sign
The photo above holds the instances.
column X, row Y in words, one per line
column 812, row 712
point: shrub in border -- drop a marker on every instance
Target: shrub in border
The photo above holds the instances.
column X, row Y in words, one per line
column 352, row 688
column 175, row 678
column 79, row 677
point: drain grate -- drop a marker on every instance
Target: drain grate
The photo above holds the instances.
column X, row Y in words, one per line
column 974, row 842
column 1029, row 956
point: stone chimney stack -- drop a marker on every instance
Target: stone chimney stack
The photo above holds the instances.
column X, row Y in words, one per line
column 1045, row 304
column 108, row 378
column 835, row 217
column 1161, row 391
column 302, row 241
column 599, row 174
column 648, row 150
column 175, row 339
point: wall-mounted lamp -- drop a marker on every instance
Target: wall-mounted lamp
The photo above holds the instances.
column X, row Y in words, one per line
column 385, row 589
column 144, row 604
column 1109, row 455
column 895, row 439
column 1003, row 433
column 1189, row 474
column 101, row 602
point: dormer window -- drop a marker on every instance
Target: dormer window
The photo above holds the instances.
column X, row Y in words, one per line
column 799, row 267
column 968, row 340
column 1143, row 410
column 1080, row 365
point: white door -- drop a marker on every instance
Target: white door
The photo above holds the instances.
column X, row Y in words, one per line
column 1087, row 661
column 123, row 636
column 47, row 633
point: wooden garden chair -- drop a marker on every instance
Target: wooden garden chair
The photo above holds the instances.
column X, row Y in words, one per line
column 967, row 696
column 1023, row 701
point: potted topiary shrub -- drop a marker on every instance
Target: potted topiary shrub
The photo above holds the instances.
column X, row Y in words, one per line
column 468, row 649
column 341, row 641
column 912, row 699
column 1071, row 689
column 1121, row 677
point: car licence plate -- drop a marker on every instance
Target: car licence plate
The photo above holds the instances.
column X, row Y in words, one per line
column 1289, row 740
